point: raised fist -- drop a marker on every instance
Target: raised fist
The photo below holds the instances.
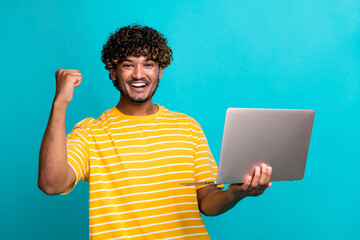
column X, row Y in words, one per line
column 66, row 81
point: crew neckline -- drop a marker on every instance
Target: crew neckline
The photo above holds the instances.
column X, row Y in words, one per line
column 140, row 118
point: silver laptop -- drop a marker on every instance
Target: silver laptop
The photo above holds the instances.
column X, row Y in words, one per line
column 277, row 137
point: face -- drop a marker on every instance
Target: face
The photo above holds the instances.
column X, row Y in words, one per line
column 138, row 78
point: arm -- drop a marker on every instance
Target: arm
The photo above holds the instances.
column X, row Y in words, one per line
column 55, row 174
column 212, row 201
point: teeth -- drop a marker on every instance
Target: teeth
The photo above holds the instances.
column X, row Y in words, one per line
column 138, row 84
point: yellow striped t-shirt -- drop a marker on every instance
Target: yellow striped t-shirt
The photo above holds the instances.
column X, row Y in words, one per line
column 134, row 165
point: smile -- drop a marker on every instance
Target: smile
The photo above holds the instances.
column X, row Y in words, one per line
column 138, row 84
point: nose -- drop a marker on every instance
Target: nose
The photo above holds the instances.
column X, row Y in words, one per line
column 138, row 72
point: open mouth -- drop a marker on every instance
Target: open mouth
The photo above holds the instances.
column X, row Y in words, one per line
column 138, row 84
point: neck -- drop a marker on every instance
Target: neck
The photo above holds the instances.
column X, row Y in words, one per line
column 137, row 109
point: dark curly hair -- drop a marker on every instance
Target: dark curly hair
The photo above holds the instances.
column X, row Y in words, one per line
column 136, row 40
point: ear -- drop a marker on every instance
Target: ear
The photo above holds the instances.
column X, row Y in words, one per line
column 161, row 69
column 113, row 73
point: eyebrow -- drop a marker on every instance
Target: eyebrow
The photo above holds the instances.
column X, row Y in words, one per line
column 129, row 60
column 125, row 60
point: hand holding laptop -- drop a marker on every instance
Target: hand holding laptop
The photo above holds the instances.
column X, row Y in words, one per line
column 254, row 137
column 254, row 185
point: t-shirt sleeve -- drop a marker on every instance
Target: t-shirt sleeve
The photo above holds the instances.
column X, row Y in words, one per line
column 77, row 146
column 204, row 164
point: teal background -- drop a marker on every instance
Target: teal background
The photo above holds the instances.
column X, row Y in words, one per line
column 263, row 54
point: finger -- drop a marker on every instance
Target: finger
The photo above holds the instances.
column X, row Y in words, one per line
column 75, row 74
column 247, row 182
column 262, row 182
column 263, row 176
column 71, row 70
column 62, row 71
column 66, row 71
column 77, row 81
column 72, row 74
column 267, row 181
column 270, row 184
column 256, row 178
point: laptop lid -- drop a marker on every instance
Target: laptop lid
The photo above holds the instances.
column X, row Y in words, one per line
column 277, row 137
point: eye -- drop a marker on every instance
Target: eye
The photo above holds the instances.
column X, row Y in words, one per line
column 127, row 65
column 149, row 64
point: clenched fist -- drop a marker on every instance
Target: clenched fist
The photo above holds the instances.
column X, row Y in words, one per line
column 66, row 81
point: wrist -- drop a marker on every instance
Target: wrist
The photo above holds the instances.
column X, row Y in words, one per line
column 234, row 196
column 59, row 103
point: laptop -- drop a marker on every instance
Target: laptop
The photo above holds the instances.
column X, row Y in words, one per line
column 277, row 137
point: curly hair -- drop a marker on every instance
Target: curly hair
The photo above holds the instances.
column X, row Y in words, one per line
column 136, row 40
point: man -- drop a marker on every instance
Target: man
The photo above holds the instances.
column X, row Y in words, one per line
column 135, row 155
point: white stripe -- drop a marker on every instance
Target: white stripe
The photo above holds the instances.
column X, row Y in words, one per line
column 77, row 145
column 141, row 185
column 208, row 158
column 88, row 124
column 140, row 146
column 144, row 209
column 202, row 152
column 108, row 112
column 78, row 158
column 76, row 164
column 80, row 151
column 140, row 177
column 84, row 150
column 143, row 226
column 136, row 139
column 84, row 138
column 168, row 230
column 68, row 142
column 172, row 113
column 136, row 219
column 188, row 235
column 175, row 118
column 143, row 153
column 143, row 201
column 121, row 121
column 203, row 173
column 141, row 161
column 132, row 194
column 206, row 179
column 202, row 159
column 201, row 145
column 148, row 130
column 150, row 124
column 141, row 169
column 208, row 165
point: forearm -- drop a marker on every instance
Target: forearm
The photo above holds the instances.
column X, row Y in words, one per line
column 213, row 201
column 218, row 202
column 53, row 167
